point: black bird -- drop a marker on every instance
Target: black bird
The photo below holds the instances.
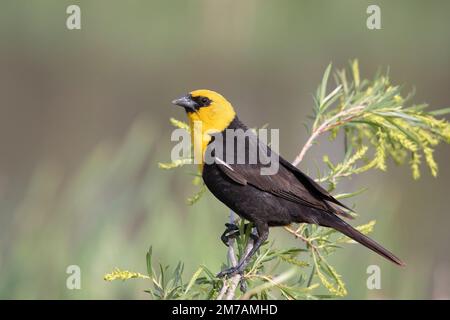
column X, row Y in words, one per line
column 266, row 200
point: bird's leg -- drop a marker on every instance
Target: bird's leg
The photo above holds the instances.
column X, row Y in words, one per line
column 232, row 231
column 263, row 233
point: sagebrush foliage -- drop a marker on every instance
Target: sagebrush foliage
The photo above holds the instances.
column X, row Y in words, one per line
column 378, row 123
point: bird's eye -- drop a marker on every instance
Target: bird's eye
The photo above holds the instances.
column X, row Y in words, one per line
column 204, row 100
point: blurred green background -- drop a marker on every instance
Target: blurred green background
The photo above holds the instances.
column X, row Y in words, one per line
column 84, row 121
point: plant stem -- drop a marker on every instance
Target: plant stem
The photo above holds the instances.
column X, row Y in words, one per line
column 228, row 289
column 325, row 126
column 237, row 277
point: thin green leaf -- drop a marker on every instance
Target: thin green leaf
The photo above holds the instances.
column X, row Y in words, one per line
column 148, row 258
column 192, row 281
column 323, row 86
column 440, row 112
column 350, row 194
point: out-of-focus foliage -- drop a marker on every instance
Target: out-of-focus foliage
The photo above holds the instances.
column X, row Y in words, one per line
column 374, row 117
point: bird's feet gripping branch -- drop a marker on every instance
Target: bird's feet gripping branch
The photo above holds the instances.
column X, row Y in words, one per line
column 258, row 240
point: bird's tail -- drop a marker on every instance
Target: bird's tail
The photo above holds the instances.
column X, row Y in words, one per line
column 332, row 221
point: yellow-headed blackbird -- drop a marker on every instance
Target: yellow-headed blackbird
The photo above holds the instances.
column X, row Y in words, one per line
column 268, row 200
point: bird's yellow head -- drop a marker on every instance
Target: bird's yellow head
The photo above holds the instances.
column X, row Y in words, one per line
column 208, row 112
column 210, row 108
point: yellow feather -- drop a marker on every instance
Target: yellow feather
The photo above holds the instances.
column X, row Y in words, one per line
column 207, row 120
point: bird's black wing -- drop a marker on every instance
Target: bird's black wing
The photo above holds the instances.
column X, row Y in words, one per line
column 284, row 184
column 288, row 182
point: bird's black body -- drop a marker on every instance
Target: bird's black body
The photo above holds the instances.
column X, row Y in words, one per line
column 248, row 201
column 277, row 200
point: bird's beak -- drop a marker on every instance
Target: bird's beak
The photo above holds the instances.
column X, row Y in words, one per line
column 186, row 102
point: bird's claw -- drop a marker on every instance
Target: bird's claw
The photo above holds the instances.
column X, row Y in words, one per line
column 230, row 272
column 231, row 226
column 231, row 231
